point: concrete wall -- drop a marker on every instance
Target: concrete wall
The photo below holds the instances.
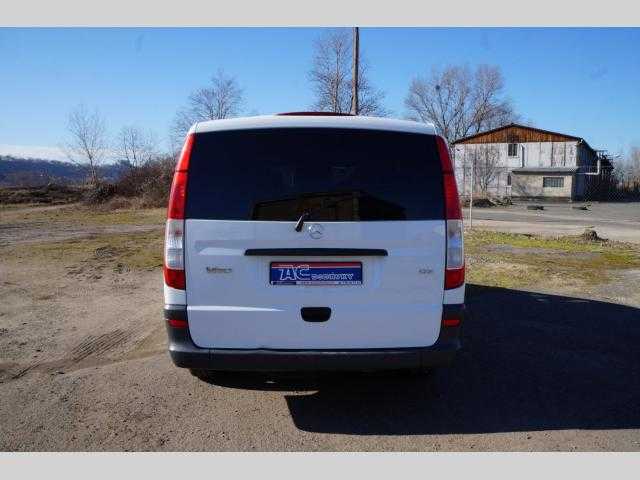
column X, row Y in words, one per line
column 531, row 185
column 538, row 154
column 532, row 154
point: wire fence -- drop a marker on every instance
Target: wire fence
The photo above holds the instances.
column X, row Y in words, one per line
column 612, row 191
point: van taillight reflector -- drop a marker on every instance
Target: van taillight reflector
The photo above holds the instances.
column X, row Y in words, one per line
column 454, row 271
column 185, row 154
column 451, row 199
column 175, row 323
column 174, row 275
column 453, row 278
column 175, row 278
column 451, row 322
column 178, row 196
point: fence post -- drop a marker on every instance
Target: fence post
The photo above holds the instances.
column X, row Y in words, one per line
column 473, row 164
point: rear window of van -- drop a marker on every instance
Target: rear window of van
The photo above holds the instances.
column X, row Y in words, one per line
column 335, row 174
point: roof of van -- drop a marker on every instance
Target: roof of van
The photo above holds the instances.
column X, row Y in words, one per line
column 317, row 121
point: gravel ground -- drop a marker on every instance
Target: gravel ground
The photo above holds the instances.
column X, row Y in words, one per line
column 83, row 366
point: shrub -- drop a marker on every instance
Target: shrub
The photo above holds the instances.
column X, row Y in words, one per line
column 52, row 194
column 99, row 193
column 146, row 186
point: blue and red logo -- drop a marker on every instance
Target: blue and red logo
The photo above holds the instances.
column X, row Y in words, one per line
column 315, row 273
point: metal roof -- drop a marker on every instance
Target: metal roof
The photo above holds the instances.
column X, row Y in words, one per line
column 469, row 137
column 545, row 170
column 518, row 125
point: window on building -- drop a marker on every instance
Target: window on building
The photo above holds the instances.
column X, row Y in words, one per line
column 513, row 149
column 508, row 179
column 553, row 182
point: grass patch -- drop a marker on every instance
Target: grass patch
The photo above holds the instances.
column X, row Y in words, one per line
column 85, row 216
column 517, row 261
column 8, row 207
column 478, row 238
column 117, row 252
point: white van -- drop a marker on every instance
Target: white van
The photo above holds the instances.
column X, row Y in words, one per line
column 313, row 242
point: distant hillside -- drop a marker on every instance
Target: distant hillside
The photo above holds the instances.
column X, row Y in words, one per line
column 33, row 172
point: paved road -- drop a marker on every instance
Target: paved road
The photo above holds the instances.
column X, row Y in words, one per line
column 617, row 221
column 538, row 372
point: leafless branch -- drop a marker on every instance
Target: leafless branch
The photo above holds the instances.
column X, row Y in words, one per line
column 330, row 77
column 627, row 169
column 460, row 102
column 222, row 98
column 87, row 139
column 487, row 167
column 135, row 146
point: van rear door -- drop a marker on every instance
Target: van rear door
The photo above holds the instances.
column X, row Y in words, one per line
column 368, row 252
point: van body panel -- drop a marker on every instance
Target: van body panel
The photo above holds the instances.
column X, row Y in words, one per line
column 399, row 303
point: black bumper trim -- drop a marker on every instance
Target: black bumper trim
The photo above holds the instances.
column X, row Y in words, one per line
column 186, row 354
column 175, row 312
column 317, row 252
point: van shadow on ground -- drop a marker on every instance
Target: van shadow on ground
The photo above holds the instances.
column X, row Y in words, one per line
column 530, row 362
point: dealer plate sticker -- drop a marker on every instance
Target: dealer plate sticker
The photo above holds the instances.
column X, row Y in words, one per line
column 315, row 273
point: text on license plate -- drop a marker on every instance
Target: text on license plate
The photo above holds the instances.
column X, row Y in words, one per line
column 315, row 273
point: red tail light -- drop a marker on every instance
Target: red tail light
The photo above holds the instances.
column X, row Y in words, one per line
column 175, row 278
column 174, row 275
column 453, row 278
column 454, row 272
column 175, row 323
column 185, row 154
column 451, row 200
column 178, row 196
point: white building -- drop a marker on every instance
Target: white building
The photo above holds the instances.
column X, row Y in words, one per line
column 526, row 162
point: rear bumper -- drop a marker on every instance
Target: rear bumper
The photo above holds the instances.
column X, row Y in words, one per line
column 186, row 354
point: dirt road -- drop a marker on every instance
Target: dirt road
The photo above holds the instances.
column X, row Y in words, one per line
column 616, row 221
column 83, row 366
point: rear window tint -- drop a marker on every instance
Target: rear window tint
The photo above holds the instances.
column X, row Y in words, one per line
column 333, row 174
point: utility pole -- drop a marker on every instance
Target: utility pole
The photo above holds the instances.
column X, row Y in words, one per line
column 354, row 70
column 473, row 167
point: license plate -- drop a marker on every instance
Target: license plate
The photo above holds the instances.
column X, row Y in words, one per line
column 315, row 273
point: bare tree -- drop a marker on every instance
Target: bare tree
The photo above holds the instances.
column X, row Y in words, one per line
column 135, row 146
column 487, row 167
column 87, row 139
column 460, row 102
column 222, row 98
column 633, row 163
column 628, row 170
column 331, row 79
